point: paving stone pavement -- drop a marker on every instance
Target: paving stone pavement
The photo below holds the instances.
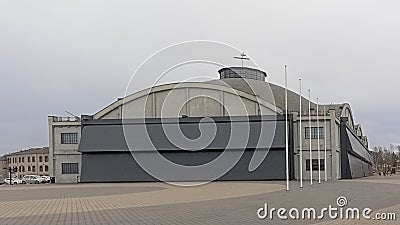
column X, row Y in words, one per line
column 216, row 203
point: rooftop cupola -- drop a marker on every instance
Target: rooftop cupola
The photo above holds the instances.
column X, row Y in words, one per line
column 242, row 72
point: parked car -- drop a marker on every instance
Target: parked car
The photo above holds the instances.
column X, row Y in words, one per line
column 46, row 179
column 14, row 181
column 19, row 181
column 33, row 179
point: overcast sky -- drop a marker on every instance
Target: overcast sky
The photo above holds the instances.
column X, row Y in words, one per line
column 79, row 55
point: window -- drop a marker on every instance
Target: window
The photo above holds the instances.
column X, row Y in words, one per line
column 314, row 132
column 33, row 158
column 69, row 138
column 33, row 169
column 29, row 168
column 69, row 168
column 315, row 164
column 40, row 168
column 40, row 158
column 19, row 159
column 46, row 158
column 23, row 159
column 23, row 168
column 29, row 159
column 46, row 168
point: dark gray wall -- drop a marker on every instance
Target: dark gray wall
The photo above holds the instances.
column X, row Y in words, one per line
column 107, row 135
column 358, row 167
column 121, row 167
column 106, row 157
column 356, row 161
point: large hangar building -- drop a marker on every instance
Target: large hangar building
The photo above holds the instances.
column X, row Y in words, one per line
column 93, row 148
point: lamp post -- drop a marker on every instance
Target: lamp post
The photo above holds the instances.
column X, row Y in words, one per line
column 309, row 135
column 318, row 147
column 286, row 133
column 325, row 170
column 300, row 137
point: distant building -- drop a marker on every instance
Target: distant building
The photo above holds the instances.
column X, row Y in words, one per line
column 34, row 161
column 3, row 166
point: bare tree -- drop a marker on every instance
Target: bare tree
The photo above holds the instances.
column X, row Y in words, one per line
column 385, row 158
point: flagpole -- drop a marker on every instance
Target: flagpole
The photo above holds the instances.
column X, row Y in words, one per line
column 326, row 177
column 286, row 132
column 318, row 148
column 309, row 136
column 300, row 138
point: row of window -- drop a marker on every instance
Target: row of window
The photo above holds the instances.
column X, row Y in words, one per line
column 33, row 168
column 21, row 159
column 66, row 168
column 237, row 73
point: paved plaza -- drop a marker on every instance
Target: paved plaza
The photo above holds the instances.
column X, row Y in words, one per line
column 215, row 203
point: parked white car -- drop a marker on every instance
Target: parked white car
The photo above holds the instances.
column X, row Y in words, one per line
column 14, row 181
column 33, row 179
column 46, row 179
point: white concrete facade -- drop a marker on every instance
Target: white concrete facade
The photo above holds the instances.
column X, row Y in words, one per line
column 59, row 152
column 332, row 145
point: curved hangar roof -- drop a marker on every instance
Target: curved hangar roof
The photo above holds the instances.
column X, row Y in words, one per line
column 190, row 99
column 247, row 94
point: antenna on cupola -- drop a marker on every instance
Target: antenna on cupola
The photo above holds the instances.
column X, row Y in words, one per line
column 242, row 57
